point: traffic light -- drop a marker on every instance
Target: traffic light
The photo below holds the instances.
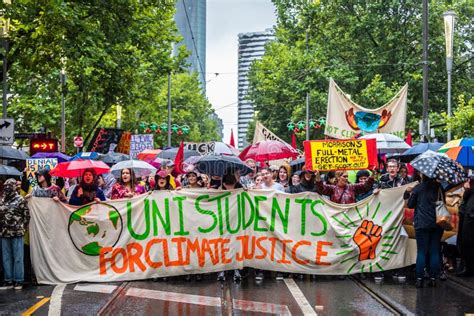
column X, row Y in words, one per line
column 43, row 145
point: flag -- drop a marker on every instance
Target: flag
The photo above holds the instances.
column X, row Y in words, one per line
column 293, row 140
column 179, row 159
column 409, row 141
column 232, row 142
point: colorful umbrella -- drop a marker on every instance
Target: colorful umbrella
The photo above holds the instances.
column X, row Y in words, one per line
column 461, row 150
column 268, row 150
column 86, row 155
column 148, row 155
column 75, row 168
column 58, row 155
column 113, row 158
column 9, row 171
column 221, row 148
column 437, row 166
column 140, row 168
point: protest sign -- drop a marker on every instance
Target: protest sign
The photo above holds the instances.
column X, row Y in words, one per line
column 345, row 118
column 139, row 143
column 326, row 155
column 196, row 231
column 124, row 143
column 105, row 140
column 34, row 165
column 206, row 148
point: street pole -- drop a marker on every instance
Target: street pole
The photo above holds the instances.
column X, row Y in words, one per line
column 63, row 111
column 169, row 109
column 119, row 116
column 5, row 76
column 425, row 70
column 307, row 92
column 449, row 18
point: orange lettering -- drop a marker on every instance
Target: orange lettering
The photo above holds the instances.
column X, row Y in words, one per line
column 262, row 249
column 114, row 265
column 103, row 260
column 321, row 253
column 134, row 258
column 295, row 249
column 283, row 252
column 225, row 250
column 151, row 263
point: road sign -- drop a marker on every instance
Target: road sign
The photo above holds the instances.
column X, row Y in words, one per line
column 43, row 145
column 7, row 128
column 78, row 141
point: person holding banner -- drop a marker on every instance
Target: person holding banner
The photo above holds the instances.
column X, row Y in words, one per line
column 284, row 175
column 45, row 188
column 306, row 183
column 162, row 181
column 343, row 192
column 87, row 191
column 268, row 182
column 126, row 186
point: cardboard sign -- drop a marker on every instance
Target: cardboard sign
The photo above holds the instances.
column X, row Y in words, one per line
column 326, row 155
column 34, row 165
column 139, row 143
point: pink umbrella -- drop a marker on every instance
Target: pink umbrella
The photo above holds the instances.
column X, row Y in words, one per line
column 269, row 150
column 75, row 168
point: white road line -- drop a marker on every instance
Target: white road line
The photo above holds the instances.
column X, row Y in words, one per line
column 175, row 297
column 299, row 297
column 260, row 307
column 55, row 302
column 96, row 288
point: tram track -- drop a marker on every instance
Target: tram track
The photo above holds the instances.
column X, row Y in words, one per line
column 117, row 296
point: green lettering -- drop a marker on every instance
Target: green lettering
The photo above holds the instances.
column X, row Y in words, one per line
column 205, row 212
column 181, row 231
column 258, row 199
column 303, row 203
column 283, row 217
column 246, row 197
column 227, row 216
column 145, row 234
column 321, row 218
column 219, row 210
column 165, row 222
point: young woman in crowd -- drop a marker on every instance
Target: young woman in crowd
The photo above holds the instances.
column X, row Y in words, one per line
column 343, row 192
column 87, row 191
column 45, row 188
column 162, row 181
column 258, row 180
column 284, row 175
column 126, row 186
column 306, row 183
column 193, row 180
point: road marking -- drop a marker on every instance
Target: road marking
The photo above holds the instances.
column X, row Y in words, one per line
column 56, row 297
column 33, row 308
column 299, row 297
column 175, row 297
column 260, row 307
column 96, row 288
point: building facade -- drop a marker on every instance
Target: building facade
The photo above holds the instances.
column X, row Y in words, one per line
column 190, row 20
column 251, row 47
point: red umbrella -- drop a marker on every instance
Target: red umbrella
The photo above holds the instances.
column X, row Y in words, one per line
column 269, row 150
column 75, row 168
column 148, row 155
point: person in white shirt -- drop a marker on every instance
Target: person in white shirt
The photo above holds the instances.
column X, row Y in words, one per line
column 268, row 182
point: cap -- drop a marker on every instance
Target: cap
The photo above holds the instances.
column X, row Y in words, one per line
column 162, row 174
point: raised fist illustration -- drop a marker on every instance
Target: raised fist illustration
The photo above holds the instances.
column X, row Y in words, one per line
column 367, row 238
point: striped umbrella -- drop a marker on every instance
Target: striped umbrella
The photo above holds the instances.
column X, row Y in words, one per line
column 461, row 150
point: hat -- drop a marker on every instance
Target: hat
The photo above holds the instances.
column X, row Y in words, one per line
column 162, row 174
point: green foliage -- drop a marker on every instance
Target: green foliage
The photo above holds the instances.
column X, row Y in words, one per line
column 370, row 48
column 462, row 120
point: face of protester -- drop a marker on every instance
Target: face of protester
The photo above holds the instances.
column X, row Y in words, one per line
column 161, row 182
column 100, row 181
column 267, row 176
column 403, row 172
column 295, row 179
column 392, row 169
column 192, row 178
column 363, row 179
column 283, row 174
column 126, row 176
column 88, row 177
column 342, row 180
column 275, row 174
column 307, row 176
column 169, row 169
column 252, row 165
column 41, row 179
column 258, row 180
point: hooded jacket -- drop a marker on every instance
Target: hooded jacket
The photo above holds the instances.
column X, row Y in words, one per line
column 14, row 213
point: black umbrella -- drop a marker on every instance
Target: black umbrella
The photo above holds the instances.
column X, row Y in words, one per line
column 440, row 167
column 171, row 153
column 417, row 150
column 217, row 165
column 9, row 171
column 113, row 158
column 7, row 152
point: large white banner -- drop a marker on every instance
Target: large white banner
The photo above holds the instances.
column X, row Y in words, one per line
column 345, row 119
column 181, row 232
column 262, row 133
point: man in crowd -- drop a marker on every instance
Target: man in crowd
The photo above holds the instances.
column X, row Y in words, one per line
column 247, row 181
column 268, row 182
column 392, row 179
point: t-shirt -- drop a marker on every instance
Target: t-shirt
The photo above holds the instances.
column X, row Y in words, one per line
column 275, row 186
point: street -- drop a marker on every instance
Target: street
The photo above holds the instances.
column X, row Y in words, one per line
column 322, row 296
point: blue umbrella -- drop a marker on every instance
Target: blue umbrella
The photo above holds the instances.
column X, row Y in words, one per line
column 58, row 155
column 418, row 149
column 91, row 155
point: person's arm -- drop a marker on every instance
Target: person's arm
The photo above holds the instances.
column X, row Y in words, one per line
column 100, row 195
column 117, row 193
column 413, row 199
column 25, row 211
column 75, row 199
column 361, row 188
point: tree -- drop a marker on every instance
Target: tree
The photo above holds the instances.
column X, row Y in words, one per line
column 462, row 121
column 370, row 48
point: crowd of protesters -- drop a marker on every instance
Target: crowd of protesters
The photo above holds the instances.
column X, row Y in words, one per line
column 334, row 185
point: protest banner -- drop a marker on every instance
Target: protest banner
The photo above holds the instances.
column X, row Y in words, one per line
column 124, row 143
column 139, row 143
column 34, row 165
column 206, row 148
column 345, row 118
column 327, row 155
column 105, row 140
column 196, row 231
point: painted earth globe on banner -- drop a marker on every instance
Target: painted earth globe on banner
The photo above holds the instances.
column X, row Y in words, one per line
column 367, row 122
column 95, row 226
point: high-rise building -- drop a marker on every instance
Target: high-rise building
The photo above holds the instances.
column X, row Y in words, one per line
column 220, row 125
column 190, row 20
column 251, row 47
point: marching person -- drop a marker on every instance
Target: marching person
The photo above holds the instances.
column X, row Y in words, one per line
column 87, row 191
column 14, row 219
column 45, row 188
column 162, row 181
column 284, row 175
column 306, row 183
column 342, row 192
column 392, row 179
column 248, row 181
column 268, row 182
column 126, row 186
column 466, row 229
column 194, row 181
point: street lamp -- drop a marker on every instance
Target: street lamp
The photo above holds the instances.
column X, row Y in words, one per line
column 449, row 18
column 63, row 110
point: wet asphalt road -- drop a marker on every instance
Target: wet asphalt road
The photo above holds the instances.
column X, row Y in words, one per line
column 322, row 296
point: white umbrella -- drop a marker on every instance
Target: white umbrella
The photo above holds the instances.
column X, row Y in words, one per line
column 140, row 168
column 221, row 148
column 388, row 143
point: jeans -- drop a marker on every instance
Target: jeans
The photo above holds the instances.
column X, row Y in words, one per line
column 12, row 257
column 428, row 241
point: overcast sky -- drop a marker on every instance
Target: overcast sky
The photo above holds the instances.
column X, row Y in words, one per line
column 225, row 20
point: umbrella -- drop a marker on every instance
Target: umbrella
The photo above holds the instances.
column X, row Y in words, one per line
column 461, row 150
column 416, row 150
column 148, row 154
column 171, row 153
column 269, row 150
column 75, row 168
column 221, row 148
column 217, row 165
column 440, row 167
column 388, row 143
column 158, row 162
column 86, row 155
column 58, row 155
column 7, row 152
column 113, row 158
column 9, row 171
column 140, row 168
column 297, row 164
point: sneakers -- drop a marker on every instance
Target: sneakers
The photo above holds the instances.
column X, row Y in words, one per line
column 237, row 276
column 259, row 276
column 221, row 276
column 279, row 276
column 18, row 286
column 419, row 283
column 6, row 286
column 378, row 278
